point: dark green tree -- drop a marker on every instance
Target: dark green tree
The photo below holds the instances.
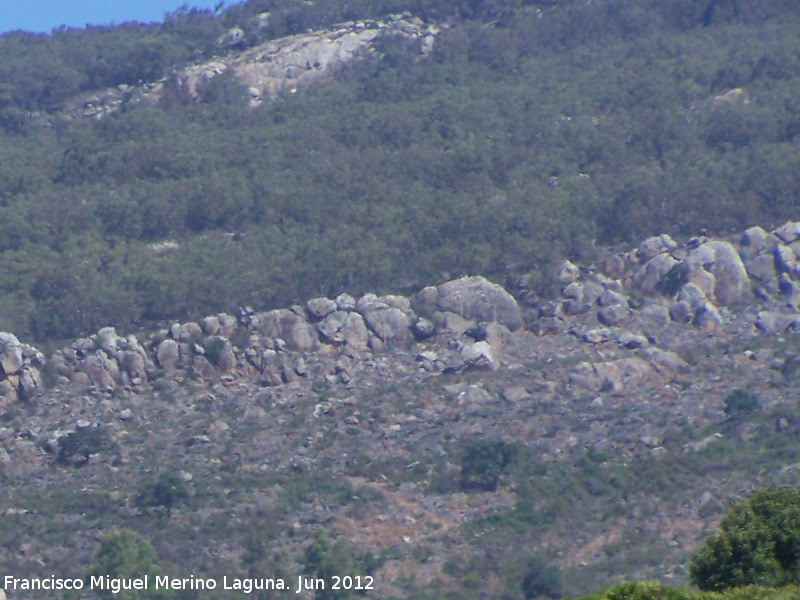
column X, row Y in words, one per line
column 740, row 403
column 758, row 544
column 166, row 492
column 78, row 446
column 325, row 558
column 483, row 462
column 123, row 555
column 542, row 581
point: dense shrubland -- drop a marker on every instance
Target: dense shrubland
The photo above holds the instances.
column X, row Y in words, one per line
column 534, row 131
column 758, row 544
column 647, row 590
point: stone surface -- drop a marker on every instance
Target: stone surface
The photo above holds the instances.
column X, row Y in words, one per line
column 574, row 291
column 479, row 356
column 762, row 269
column 596, row 336
column 680, row 312
column 167, row 355
column 692, row 295
column 345, row 302
column 632, row 341
column 354, row 332
column 227, row 324
column 10, row 353
column 547, row 326
column 496, row 334
column 277, row 409
column 133, row 363
column 319, row 308
column 423, row 329
column 401, row 303
column 573, row 307
column 516, row 393
column 656, row 313
column 370, row 302
column 453, row 323
column 732, row 284
column 774, row 322
column 287, row 325
column 210, row 325
column 331, row 326
column 704, row 280
column 654, row 246
column 788, row 232
column 276, row 67
column 30, row 382
column 665, row 361
column 648, row 276
column 610, row 298
column 612, row 375
column 478, row 298
column 100, row 369
column 707, row 318
column 567, row 272
column 785, row 259
column 756, row 240
column 612, row 316
column 190, row 332
column 391, row 325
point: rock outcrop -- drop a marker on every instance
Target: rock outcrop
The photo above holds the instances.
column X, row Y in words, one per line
column 273, row 344
column 268, row 70
column 697, row 282
column 19, row 369
column 476, row 298
column 288, row 64
column 468, row 323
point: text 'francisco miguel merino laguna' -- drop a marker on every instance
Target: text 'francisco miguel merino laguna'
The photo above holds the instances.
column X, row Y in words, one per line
column 245, row 585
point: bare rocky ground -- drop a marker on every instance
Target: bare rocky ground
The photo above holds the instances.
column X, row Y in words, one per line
column 352, row 416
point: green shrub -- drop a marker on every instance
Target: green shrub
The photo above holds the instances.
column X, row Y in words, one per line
column 674, row 280
column 789, row 368
column 757, row 592
column 542, row 581
column 740, row 403
column 326, row 558
column 81, row 444
column 649, row 590
column 213, row 347
column 166, row 491
column 122, row 555
column 758, row 543
column 483, row 462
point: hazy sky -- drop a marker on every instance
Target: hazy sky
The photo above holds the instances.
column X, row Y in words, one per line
column 45, row 15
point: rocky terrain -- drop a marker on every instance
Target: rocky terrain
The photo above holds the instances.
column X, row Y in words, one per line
column 351, row 415
column 267, row 70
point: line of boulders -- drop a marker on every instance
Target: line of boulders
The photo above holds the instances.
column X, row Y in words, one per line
column 692, row 283
column 465, row 324
column 457, row 325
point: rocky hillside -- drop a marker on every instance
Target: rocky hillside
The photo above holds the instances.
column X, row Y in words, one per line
column 706, row 283
column 618, row 407
column 148, row 175
column 268, row 70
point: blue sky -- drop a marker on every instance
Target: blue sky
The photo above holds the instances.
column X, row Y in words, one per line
column 45, row 15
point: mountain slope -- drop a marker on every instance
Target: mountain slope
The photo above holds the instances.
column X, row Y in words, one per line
column 529, row 133
column 436, row 443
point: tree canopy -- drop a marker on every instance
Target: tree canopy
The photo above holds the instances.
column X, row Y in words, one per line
column 124, row 556
column 758, row 544
column 533, row 131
